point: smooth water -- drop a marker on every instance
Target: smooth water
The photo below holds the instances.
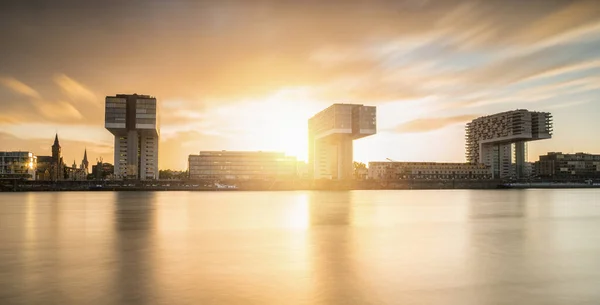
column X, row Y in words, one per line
column 357, row 247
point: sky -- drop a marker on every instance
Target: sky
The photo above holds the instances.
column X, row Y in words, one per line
column 247, row 75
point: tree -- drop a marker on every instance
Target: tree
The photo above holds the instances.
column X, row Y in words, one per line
column 360, row 170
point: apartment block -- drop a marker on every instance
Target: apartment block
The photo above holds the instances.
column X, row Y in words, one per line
column 331, row 133
column 18, row 165
column 133, row 120
column 500, row 140
column 557, row 165
column 428, row 170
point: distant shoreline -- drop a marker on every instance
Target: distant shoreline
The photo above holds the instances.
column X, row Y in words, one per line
column 296, row 185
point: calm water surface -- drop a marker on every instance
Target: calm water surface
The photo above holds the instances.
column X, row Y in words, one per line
column 358, row 247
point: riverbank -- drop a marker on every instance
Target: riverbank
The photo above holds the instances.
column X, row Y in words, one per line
column 282, row 185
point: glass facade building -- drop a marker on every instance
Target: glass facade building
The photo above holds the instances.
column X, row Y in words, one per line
column 241, row 165
column 18, row 165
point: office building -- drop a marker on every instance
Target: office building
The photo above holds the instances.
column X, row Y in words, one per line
column 428, row 170
column 556, row 165
column 18, row 165
column 498, row 140
column 133, row 120
column 241, row 165
column 331, row 133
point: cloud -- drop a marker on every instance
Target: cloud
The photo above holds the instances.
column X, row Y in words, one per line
column 75, row 90
column 58, row 111
column 200, row 56
column 71, row 149
column 569, row 104
column 571, row 18
column 19, row 87
column 175, row 148
column 431, row 124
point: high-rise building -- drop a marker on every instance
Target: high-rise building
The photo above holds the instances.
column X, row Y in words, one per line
column 493, row 139
column 18, row 165
column 242, row 165
column 133, row 120
column 331, row 133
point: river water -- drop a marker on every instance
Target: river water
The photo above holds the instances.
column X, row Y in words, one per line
column 347, row 247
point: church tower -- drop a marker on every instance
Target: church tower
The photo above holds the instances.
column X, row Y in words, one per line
column 84, row 163
column 57, row 168
column 56, row 152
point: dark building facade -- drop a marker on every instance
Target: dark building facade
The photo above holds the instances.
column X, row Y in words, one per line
column 556, row 165
column 102, row 171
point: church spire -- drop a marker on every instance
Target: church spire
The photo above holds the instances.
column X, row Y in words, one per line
column 56, row 141
column 85, row 160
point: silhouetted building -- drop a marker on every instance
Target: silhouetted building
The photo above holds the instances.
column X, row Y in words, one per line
column 132, row 119
column 102, row 171
column 44, row 168
column 18, row 165
column 242, row 165
column 57, row 168
column 75, row 173
column 557, row 165
column 490, row 139
column 84, row 163
column 331, row 133
column 428, row 170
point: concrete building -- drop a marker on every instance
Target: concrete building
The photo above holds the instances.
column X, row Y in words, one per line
column 556, row 165
column 241, row 165
column 494, row 140
column 331, row 133
column 428, row 170
column 133, row 120
column 18, row 165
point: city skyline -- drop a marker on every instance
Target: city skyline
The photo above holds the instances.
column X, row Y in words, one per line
column 429, row 69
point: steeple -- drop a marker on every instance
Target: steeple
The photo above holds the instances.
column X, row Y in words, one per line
column 85, row 160
column 56, row 141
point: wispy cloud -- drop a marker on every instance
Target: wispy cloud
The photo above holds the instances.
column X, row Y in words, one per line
column 19, row 87
column 431, row 124
column 58, row 111
column 74, row 89
column 566, row 105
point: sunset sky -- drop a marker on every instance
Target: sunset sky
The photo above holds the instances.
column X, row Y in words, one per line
column 247, row 75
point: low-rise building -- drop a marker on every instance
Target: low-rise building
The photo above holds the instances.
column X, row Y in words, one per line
column 102, row 171
column 18, row 165
column 428, row 170
column 241, row 165
column 557, row 165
